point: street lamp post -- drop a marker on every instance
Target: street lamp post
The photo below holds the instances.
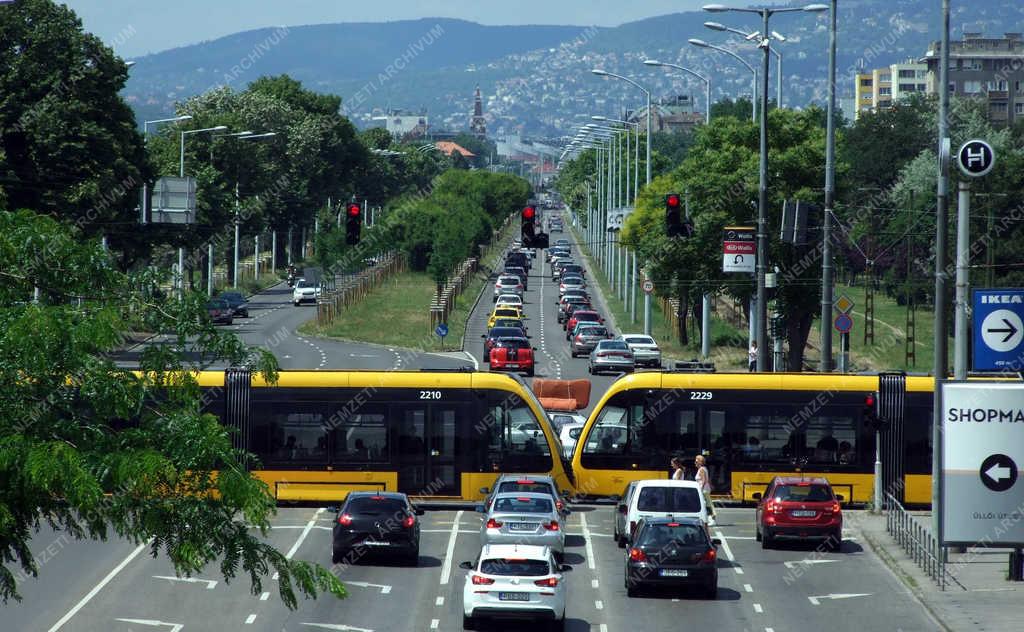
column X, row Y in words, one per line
column 753, row 109
column 762, row 205
column 605, row 73
column 715, row 26
column 830, row 189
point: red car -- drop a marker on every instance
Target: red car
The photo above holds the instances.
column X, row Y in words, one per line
column 512, row 354
column 797, row 508
column 581, row 315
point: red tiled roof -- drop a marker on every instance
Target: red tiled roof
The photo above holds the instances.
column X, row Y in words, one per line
column 449, row 147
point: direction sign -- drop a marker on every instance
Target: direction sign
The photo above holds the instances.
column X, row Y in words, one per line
column 983, row 442
column 843, row 323
column 975, row 158
column 998, row 330
column 648, row 286
column 739, row 249
column 844, row 304
column 441, row 330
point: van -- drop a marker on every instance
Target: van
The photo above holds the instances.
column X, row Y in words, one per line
column 664, row 498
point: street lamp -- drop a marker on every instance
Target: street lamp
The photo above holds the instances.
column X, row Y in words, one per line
column 715, row 26
column 706, row 79
column 762, row 204
column 605, row 73
column 702, row 44
column 636, row 152
column 181, row 162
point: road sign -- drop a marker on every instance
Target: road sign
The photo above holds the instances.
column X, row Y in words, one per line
column 844, row 304
column 441, row 330
column 648, row 286
column 998, row 330
column 982, row 445
column 975, row 158
column 739, row 249
column 843, row 323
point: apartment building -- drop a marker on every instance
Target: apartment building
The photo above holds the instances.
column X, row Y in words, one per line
column 984, row 67
column 879, row 89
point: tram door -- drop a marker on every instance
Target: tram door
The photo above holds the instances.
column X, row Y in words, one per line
column 427, row 449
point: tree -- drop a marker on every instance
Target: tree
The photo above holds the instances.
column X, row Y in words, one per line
column 739, row 109
column 93, row 449
column 878, row 144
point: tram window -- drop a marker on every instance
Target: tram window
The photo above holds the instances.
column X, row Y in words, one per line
column 290, row 432
column 508, row 428
column 525, row 434
column 361, row 437
column 771, row 437
column 671, row 432
column 831, row 440
column 608, row 435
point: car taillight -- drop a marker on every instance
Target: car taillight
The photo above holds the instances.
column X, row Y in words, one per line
column 550, row 582
column 709, row 556
column 773, row 507
column 637, row 555
column 552, row 526
column 493, row 524
column 409, row 522
column 480, row 580
column 836, row 507
column 344, row 520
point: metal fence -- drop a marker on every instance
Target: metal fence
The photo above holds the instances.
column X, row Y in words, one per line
column 916, row 539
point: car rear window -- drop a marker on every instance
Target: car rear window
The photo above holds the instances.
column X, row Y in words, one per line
column 594, row 331
column 682, row 499
column 506, row 312
column 516, row 568
column 803, row 493
column 509, row 280
column 523, row 504
column 614, row 345
column 514, row 343
column 369, row 506
column 659, row 535
column 515, row 486
column 640, row 340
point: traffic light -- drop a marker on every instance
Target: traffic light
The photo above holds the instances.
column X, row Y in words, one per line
column 872, row 418
column 353, row 223
column 529, row 227
column 675, row 224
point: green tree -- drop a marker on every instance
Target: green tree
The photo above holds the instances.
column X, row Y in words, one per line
column 93, row 449
column 739, row 109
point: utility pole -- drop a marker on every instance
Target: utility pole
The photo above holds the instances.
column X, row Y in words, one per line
column 830, row 189
column 762, row 206
column 963, row 237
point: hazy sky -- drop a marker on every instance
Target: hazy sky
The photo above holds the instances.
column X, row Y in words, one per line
column 137, row 27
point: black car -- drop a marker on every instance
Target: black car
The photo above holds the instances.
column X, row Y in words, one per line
column 377, row 522
column 219, row 311
column 237, row 303
column 672, row 552
column 518, row 259
column 494, row 333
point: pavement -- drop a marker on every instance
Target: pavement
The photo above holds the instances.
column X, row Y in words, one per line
column 977, row 597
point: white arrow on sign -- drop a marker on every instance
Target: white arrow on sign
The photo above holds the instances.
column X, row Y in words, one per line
column 337, row 626
column 210, row 583
column 153, row 623
column 383, row 589
column 807, row 562
column 816, row 602
column 998, row 472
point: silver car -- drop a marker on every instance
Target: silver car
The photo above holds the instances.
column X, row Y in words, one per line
column 522, row 518
column 645, row 349
column 508, row 284
column 611, row 355
column 573, row 282
column 586, row 337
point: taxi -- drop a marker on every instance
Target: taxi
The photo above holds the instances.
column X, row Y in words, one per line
column 504, row 312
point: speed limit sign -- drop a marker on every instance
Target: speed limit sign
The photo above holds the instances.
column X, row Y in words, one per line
column 648, row 286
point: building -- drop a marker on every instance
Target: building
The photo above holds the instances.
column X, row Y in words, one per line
column 404, row 125
column 878, row 89
column 478, row 124
column 988, row 68
column 448, row 148
column 671, row 114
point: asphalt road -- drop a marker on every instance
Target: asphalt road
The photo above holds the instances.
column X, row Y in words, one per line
column 116, row 586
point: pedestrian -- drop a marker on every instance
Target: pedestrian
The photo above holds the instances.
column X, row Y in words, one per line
column 704, row 480
column 677, row 469
column 752, row 356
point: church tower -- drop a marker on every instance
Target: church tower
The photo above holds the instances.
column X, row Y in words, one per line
column 477, row 124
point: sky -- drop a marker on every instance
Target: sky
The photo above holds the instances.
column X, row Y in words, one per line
column 138, row 27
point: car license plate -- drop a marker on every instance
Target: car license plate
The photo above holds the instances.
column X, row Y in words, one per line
column 522, row 526
column 513, row 596
column 673, row 572
column 513, row 365
column 804, row 513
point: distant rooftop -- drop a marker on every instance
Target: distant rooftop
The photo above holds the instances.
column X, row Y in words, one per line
column 448, row 148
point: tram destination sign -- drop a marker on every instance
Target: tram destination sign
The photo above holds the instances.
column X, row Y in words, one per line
column 982, row 452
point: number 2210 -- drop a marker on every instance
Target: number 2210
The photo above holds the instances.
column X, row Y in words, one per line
column 430, row 394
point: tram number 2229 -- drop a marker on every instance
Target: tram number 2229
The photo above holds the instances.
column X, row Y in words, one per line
column 700, row 395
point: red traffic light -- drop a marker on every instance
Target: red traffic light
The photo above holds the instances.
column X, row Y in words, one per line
column 528, row 212
column 672, row 200
column 354, row 210
column 869, row 400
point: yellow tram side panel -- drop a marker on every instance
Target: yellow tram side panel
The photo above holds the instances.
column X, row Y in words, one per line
column 918, row 490
column 853, row 487
column 321, row 485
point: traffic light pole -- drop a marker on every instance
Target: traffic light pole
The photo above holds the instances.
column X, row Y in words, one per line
column 762, row 206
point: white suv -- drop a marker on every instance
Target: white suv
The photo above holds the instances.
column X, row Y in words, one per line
column 305, row 292
column 514, row 581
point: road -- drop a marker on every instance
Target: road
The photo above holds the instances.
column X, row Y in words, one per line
column 116, row 586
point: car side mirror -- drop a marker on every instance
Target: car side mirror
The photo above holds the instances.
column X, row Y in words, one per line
column 419, row 512
column 564, row 568
column 466, row 565
column 756, row 495
column 534, row 348
column 480, row 509
column 716, row 541
column 839, row 497
column 484, row 336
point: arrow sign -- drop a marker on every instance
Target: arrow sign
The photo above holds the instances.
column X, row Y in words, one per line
column 383, row 589
column 337, row 626
column 807, row 562
column 210, row 583
column 998, row 472
column 153, row 623
column 1009, row 330
column 816, row 600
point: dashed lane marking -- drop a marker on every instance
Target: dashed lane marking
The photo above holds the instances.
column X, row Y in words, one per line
column 446, row 568
column 748, row 588
column 599, row 604
column 250, row 619
column 265, row 596
column 439, row 601
column 593, row 583
column 758, row 609
column 434, row 623
column 587, row 542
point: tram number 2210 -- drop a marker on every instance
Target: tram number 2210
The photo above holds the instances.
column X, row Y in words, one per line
column 430, row 394
column 700, row 395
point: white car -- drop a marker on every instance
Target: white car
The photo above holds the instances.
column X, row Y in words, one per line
column 659, row 498
column 569, row 435
column 508, row 300
column 305, row 292
column 514, row 581
column 645, row 349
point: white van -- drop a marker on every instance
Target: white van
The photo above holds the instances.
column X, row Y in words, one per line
column 662, row 498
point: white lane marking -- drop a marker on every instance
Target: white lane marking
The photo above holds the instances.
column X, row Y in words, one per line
column 338, row 626
column 593, row 583
column 603, row 627
column 599, row 604
column 439, row 601
column 739, row 571
column 446, row 568
column 587, row 542
column 153, row 623
column 769, row 630
column 816, row 599
column 806, row 562
column 748, row 588
column 98, row 587
column 210, row 583
column 250, row 619
column 384, row 588
column 758, row 609
column 305, row 532
column 434, row 623
column 274, row 577
column 727, row 550
column 265, row 596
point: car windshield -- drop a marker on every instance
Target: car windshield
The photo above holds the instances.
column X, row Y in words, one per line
column 515, row 568
column 570, row 280
column 803, row 493
column 668, row 499
column 375, row 506
column 510, row 298
column 640, row 340
column 673, row 533
column 232, row 296
column 522, row 504
column 524, row 486
column 614, row 345
column 303, row 284
column 508, row 322
column 218, row 304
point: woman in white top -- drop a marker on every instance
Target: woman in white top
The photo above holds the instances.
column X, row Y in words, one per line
column 677, row 469
column 704, row 480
